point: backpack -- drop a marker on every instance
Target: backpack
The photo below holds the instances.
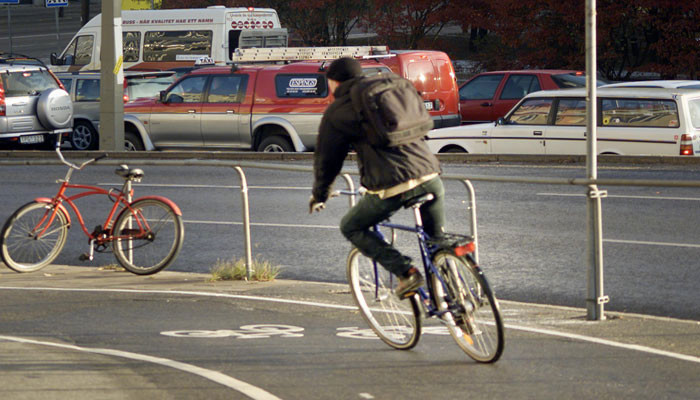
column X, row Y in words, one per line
column 391, row 110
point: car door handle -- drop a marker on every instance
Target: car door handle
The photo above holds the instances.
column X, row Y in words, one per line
column 230, row 112
column 486, row 104
column 191, row 111
column 537, row 133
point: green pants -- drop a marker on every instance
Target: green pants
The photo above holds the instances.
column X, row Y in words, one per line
column 370, row 210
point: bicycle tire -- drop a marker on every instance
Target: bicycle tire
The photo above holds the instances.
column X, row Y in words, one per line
column 20, row 250
column 396, row 322
column 145, row 253
column 476, row 323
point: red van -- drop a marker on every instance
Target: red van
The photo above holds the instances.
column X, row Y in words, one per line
column 434, row 76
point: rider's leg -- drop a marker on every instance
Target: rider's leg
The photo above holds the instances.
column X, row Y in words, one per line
column 433, row 212
column 355, row 226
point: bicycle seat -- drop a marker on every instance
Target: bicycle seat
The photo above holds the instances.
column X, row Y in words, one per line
column 130, row 174
column 419, row 200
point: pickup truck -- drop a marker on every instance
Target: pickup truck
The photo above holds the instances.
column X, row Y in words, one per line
column 262, row 107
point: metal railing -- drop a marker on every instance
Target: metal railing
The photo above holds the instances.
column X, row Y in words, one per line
column 595, row 293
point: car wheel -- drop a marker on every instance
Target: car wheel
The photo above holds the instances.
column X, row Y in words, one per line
column 275, row 144
column 84, row 136
column 132, row 142
column 452, row 149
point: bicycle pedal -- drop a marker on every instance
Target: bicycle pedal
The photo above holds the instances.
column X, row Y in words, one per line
column 85, row 257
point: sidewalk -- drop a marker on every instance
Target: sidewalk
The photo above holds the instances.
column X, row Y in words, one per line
column 63, row 373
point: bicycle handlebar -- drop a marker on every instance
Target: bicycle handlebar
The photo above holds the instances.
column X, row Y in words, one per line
column 74, row 166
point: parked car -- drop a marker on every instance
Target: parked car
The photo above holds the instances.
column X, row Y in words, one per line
column 641, row 121
column 262, row 107
column 34, row 107
column 678, row 84
column 490, row 95
column 432, row 73
column 84, row 89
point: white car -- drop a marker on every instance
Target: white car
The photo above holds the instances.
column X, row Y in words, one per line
column 636, row 121
column 677, row 84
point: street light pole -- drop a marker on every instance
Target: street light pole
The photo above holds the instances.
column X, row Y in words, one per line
column 111, row 78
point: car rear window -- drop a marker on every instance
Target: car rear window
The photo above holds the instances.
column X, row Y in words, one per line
column 301, row 85
column 571, row 80
column 657, row 113
column 23, row 83
column 694, row 111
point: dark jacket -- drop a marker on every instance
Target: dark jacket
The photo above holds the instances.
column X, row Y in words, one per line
column 380, row 168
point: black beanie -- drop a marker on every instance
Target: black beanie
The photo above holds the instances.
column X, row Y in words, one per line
column 343, row 69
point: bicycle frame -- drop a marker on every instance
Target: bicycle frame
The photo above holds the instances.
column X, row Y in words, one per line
column 60, row 198
column 121, row 198
column 430, row 270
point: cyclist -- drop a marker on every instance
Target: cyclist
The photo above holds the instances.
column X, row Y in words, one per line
column 391, row 175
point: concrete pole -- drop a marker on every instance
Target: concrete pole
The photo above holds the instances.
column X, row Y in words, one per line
column 111, row 78
column 595, row 298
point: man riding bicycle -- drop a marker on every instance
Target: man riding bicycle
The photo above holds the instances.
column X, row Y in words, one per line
column 391, row 175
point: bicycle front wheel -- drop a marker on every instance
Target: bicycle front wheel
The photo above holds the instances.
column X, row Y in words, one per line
column 396, row 322
column 476, row 323
column 148, row 236
column 33, row 237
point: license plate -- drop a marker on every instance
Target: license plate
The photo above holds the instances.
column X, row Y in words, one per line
column 428, row 105
column 31, row 139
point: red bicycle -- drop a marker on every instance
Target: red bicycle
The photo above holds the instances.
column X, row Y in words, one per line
column 145, row 234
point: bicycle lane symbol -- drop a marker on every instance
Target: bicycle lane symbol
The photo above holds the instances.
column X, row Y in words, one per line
column 264, row 331
column 353, row 332
column 260, row 331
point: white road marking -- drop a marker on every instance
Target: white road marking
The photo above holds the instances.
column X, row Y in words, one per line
column 652, row 243
column 173, row 185
column 247, row 389
column 623, row 196
column 366, row 396
column 573, row 336
column 194, row 221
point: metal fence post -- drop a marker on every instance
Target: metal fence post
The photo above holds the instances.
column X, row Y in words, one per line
column 246, row 223
column 472, row 212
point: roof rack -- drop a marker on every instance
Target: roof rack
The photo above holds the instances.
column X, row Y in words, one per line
column 306, row 53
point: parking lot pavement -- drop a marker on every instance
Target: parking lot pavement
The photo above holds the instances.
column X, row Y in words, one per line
column 53, row 369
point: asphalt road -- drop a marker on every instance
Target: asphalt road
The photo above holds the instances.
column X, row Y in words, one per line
column 531, row 237
column 84, row 333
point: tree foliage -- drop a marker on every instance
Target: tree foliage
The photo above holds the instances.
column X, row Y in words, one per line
column 661, row 36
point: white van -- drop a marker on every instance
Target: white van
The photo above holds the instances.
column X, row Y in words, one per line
column 631, row 121
column 163, row 39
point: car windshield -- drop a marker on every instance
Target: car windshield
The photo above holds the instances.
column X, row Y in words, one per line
column 148, row 87
column 574, row 80
column 23, row 83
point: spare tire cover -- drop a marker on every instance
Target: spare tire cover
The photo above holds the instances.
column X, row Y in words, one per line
column 55, row 109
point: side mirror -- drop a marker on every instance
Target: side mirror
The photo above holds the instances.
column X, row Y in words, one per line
column 54, row 59
column 174, row 98
column 162, row 96
column 500, row 121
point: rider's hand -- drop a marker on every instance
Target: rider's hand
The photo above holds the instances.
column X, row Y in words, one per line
column 315, row 205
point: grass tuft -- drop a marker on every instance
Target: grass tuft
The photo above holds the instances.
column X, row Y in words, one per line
column 235, row 270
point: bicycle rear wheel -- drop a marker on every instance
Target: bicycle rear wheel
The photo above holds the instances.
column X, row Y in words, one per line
column 148, row 236
column 396, row 322
column 476, row 323
column 24, row 247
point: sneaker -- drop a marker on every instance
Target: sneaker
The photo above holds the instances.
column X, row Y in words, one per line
column 409, row 283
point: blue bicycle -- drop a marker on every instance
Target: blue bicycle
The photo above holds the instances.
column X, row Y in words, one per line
column 456, row 292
